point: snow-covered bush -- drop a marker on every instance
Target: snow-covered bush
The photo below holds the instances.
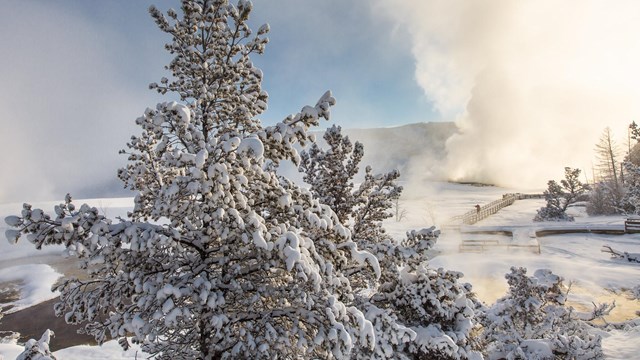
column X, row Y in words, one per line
column 220, row 257
column 631, row 197
column 552, row 214
column 560, row 196
column 440, row 309
column 429, row 315
column 533, row 322
column 38, row 350
column 607, row 199
column 421, row 312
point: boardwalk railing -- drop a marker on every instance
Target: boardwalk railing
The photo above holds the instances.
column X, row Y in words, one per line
column 473, row 216
column 632, row 226
column 484, row 245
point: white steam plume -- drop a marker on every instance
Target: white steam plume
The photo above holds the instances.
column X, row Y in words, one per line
column 531, row 83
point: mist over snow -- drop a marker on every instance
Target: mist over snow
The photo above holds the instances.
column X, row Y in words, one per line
column 532, row 84
column 416, row 150
column 65, row 110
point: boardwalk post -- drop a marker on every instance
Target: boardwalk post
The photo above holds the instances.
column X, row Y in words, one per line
column 631, row 226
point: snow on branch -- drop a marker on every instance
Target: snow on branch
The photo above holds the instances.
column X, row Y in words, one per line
column 623, row 255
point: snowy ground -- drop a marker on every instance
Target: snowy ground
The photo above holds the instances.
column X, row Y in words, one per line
column 594, row 275
column 576, row 257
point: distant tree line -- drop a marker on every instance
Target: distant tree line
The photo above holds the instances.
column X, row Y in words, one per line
column 614, row 187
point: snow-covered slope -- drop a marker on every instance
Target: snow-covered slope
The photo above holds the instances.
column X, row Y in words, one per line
column 404, row 147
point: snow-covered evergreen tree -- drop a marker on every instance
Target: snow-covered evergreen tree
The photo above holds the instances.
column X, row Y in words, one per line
column 631, row 196
column 220, row 257
column 374, row 200
column 331, row 174
column 38, row 350
column 560, row 196
column 533, row 322
column 417, row 312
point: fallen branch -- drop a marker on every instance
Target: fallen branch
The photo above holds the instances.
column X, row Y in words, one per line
column 630, row 257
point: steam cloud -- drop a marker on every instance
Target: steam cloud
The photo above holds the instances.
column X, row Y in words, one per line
column 532, row 84
column 62, row 102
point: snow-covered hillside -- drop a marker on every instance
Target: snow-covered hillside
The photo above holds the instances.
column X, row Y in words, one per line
column 417, row 150
column 414, row 149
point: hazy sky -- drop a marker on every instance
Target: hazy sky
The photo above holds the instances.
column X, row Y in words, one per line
column 531, row 84
column 74, row 77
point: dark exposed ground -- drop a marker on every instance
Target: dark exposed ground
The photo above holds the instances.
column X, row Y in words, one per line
column 33, row 321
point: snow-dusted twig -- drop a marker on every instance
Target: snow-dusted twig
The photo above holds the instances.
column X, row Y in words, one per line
column 630, row 257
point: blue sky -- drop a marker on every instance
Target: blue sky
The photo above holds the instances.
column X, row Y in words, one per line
column 315, row 46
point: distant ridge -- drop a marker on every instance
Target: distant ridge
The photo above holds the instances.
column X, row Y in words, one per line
column 402, row 147
column 412, row 147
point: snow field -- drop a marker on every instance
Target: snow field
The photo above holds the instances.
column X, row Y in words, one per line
column 595, row 276
column 110, row 350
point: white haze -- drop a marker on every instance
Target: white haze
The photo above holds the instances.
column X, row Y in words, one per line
column 62, row 103
column 532, row 84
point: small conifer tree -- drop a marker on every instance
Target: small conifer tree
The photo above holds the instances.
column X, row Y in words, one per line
column 418, row 312
column 331, row 174
column 533, row 321
column 560, row 196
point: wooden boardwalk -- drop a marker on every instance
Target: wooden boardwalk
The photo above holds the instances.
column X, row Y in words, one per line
column 526, row 237
column 509, row 239
column 514, row 238
column 473, row 216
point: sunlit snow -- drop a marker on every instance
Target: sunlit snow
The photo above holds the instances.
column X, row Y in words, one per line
column 594, row 275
